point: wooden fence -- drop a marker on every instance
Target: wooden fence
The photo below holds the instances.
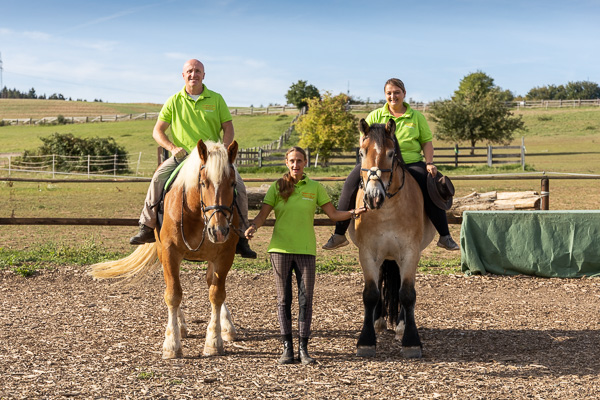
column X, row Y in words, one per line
column 78, row 120
column 455, row 156
column 142, row 116
column 421, row 106
column 452, row 219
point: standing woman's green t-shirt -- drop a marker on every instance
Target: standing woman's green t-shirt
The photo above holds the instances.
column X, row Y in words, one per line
column 294, row 230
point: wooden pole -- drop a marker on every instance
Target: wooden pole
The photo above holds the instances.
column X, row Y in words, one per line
column 545, row 192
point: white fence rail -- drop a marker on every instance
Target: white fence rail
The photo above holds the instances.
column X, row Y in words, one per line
column 76, row 165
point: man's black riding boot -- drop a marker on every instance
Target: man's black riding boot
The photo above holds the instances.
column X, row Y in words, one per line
column 287, row 357
column 303, row 352
column 145, row 235
column 243, row 248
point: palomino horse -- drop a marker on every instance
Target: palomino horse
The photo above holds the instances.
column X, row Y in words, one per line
column 390, row 238
column 199, row 205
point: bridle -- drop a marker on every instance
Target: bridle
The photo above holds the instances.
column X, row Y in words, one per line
column 227, row 211
column 374, row 173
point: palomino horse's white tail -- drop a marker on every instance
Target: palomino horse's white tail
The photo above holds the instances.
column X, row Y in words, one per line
column 131, row 269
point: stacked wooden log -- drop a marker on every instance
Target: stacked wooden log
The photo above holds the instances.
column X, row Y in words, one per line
column 529, row 200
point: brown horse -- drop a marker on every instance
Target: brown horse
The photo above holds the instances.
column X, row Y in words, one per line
column 200, row 205
column 390, row 238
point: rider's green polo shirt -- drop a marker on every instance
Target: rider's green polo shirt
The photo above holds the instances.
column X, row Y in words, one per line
column 194, row 120
column 412, row 130
column 294, row 231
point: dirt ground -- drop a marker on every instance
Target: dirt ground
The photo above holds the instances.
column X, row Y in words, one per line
column 64, row 335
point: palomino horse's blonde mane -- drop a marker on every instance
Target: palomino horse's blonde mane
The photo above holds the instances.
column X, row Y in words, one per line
column 217, row 166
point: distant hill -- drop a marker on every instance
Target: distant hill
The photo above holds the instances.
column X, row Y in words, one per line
column 30, row 108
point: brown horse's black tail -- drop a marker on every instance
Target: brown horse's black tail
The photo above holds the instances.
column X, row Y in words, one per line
column 389, row 285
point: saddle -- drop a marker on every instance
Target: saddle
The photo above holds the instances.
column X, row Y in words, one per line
column 160, row 212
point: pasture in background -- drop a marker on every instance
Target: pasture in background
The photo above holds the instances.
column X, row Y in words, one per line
column 565, row 140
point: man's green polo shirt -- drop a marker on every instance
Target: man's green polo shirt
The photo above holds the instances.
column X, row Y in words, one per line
column 412, row 130
column 294, row 232
column 194, row 120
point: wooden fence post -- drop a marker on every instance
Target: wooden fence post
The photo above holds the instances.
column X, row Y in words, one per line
column 455, row 155
column 545, row 193
column 523, row 153
column 260, row 151
column 489, row 156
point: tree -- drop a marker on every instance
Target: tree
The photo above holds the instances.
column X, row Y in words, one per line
column 300, row 92
column 327, row 125
column 582, row 90
column 570, row 91
column 476, row 113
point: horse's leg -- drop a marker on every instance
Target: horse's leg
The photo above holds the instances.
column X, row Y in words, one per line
column 367, row 341
column 213, row 344
column 173, row 294
column 182, row 325
column 400, row 326
column 379, row 316
column 411, row 344
column 227, row 328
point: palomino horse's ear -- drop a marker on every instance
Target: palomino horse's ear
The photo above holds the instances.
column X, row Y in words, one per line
column 390, row 127
column 232, row 151
column 202, row 151
column 363, row 127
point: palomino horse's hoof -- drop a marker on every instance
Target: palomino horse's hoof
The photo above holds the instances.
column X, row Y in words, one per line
column 228, row 336
column 365, row 351
column 170, row 354
column 213, row 351
column 412, row 352
column 183, row 331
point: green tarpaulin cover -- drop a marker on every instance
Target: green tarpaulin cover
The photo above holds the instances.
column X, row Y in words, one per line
column 541, row 243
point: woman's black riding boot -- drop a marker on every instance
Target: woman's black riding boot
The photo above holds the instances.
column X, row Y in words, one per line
column 303, row 352
column 287, row 357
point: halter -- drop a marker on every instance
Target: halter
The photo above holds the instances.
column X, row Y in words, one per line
column 217, row 208
column 374, row 173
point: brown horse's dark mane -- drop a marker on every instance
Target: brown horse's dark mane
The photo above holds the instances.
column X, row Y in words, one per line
column 378, row 134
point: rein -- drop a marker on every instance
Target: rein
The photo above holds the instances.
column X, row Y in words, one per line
column 217, row 208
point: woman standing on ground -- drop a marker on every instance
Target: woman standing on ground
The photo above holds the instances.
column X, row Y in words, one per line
column 293, row 246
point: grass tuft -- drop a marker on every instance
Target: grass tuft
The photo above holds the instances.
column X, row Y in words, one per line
column 27, row 262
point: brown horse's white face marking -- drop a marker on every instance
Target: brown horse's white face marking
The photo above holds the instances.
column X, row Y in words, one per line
column 377, row 155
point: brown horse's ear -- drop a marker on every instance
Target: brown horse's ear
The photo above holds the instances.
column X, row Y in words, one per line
column 390, row 127
column 202, row 151
column 232, row 151
column 363, row 127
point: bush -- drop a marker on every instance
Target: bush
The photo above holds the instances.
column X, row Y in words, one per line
column 79, row 148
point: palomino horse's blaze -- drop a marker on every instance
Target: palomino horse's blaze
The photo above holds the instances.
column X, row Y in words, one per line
column 199, row 206
column 390, row 238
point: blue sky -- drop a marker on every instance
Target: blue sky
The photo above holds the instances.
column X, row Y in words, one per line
column 133, row 51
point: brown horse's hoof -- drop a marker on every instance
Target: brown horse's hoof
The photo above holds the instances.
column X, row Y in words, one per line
column 170, row 354
column 412, row 352
column 365, row 351
column 380, row 325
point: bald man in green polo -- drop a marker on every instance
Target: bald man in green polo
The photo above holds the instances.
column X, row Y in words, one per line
column 193, row 113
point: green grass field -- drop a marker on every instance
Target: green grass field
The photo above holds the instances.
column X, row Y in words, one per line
column 567, row 139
